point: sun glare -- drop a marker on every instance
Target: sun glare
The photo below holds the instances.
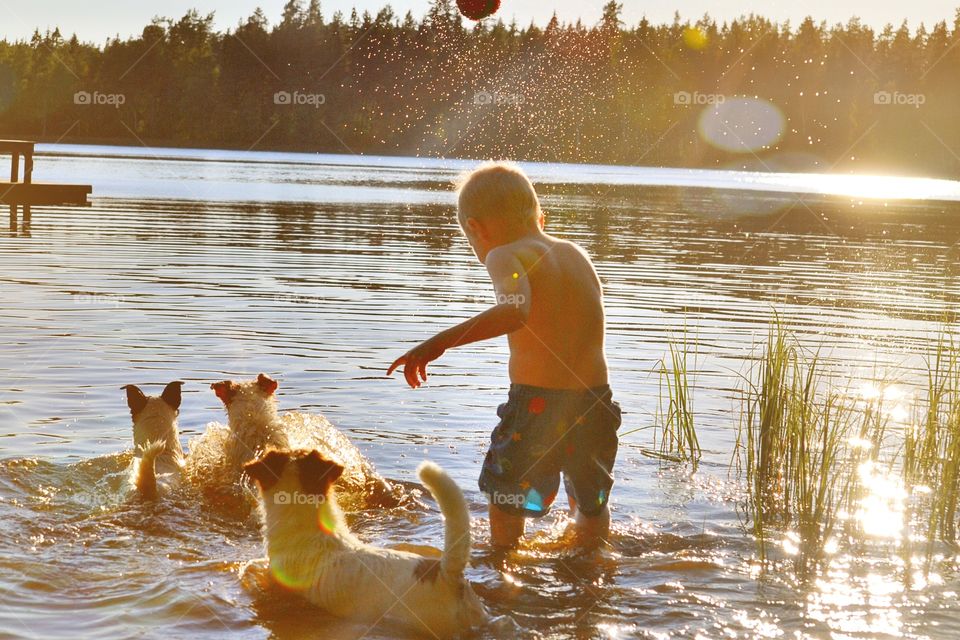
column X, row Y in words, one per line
column 887, row 187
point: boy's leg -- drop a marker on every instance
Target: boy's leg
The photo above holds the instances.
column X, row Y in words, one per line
column 506, row 529
column 592, row 531
column 589, row 531
column 591, row 446
column 521, row 471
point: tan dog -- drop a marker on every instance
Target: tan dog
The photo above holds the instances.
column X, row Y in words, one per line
column 255, row 424
column 156, row 439
column 252, row 417
column 311, row 551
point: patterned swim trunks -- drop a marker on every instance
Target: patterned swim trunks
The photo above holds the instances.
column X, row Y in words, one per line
column 546, row 432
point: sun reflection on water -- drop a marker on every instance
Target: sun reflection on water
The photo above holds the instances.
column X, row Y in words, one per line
column 880, row 512
column 862, row 606
column 884, row 187
column 856, row 596
column 892, row 401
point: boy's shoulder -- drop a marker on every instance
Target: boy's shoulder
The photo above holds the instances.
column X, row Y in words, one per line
column 540, row 244
column 534, row 248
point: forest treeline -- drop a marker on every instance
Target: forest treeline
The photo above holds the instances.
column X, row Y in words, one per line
column 747, row 93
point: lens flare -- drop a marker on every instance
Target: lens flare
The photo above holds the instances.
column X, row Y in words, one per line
column 326, row 521
column 289, row 581
column 695, row 38
column 742, row 124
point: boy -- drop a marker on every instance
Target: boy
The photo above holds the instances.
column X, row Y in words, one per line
column 559, row 416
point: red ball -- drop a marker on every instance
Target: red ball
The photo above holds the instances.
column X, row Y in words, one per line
column 478, row 9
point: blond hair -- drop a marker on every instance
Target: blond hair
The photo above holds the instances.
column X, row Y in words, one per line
column 497, row 190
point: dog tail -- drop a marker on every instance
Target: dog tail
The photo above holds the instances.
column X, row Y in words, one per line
column 453, row 506
column 146, row 472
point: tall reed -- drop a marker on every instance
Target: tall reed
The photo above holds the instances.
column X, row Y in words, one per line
column 764, row 404
column 678, row 439
column 793, row 446
column 807, row 449
column 931, row 452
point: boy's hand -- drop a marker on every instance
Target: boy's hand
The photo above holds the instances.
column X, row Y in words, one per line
column 509, row 314
column 415, row 362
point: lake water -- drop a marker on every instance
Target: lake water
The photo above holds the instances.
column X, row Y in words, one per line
column 320, row 270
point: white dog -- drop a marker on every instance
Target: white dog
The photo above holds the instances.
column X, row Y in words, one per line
column 255, row 425
column 310, row 550
column 252, row 417
column 156, row 439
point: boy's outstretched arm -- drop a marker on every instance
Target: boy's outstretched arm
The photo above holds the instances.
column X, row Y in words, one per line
column 509, row 314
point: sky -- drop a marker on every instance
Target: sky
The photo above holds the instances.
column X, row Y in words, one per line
column 96, row 20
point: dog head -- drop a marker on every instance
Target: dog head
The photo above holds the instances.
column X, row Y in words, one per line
column 296, row 493
column 249, row 398
column 303, row 472
column 155, row 417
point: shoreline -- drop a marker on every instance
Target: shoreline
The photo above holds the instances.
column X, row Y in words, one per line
column 737, row 186
column 337, row 150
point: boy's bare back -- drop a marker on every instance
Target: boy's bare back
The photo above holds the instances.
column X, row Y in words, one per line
column 561, row 344
column 550, row 306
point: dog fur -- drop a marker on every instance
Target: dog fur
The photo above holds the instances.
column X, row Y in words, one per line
column 255, row 425
column 156, row 439
column 311, row 550
column 252, row 417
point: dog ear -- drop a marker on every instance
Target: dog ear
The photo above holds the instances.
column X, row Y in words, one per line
column 267, row 384
column 266, row 470
column 135, row 398
column 317, row 474
column 171, row 394
column 224, row 390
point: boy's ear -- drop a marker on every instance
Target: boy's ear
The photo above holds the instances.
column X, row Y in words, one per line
column 476, row 228
column 317, row 474
column 266, row 470
column 171, row 394
column 541, row 220
column 136, row 401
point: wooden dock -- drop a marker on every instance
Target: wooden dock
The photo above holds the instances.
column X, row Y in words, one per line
column 25, row 193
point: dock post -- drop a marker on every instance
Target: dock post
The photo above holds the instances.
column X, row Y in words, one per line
column 14, row 177
column 21, row 193
column 28, row 179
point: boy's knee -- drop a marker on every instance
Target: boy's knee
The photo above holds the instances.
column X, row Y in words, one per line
column 599, row 511
column 522, row 503
column 499, row 512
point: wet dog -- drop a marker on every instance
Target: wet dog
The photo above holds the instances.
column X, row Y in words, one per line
column 254, row 425
column 252, row 417
column 311, row 551
column 159, row 466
